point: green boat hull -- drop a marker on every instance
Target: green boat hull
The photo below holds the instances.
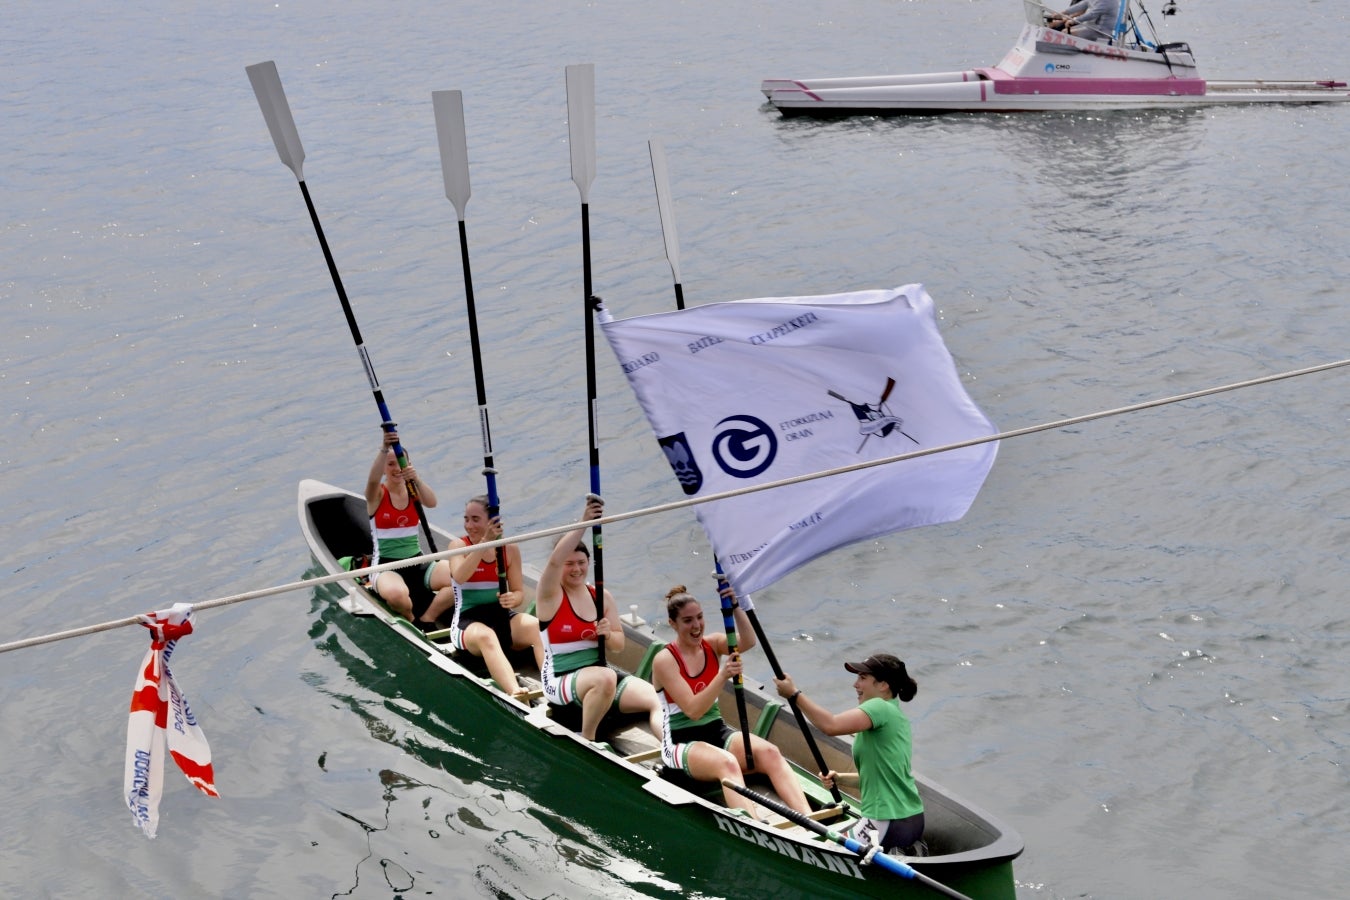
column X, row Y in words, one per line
column 658, row 825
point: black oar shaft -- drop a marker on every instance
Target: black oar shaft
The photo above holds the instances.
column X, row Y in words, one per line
column 448, row 108
column 480, row 387
column 668, row 233
column 581, row 140
column 802, row 724
column 276, row 112
column 386, row 420
column 729, row 623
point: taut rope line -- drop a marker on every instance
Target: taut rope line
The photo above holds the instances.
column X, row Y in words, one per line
column 680, row 504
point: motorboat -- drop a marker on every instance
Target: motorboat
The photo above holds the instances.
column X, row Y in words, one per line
column 1049, row 69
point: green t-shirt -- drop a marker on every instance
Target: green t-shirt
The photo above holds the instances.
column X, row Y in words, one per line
column 882, row 755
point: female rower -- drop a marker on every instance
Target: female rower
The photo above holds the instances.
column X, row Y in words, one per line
column 689, row 679
column 486, row 620
column 395, row 532
column 566, row 606
column 891, row 808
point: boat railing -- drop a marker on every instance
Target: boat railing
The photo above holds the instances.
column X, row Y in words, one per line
column 1125, row 34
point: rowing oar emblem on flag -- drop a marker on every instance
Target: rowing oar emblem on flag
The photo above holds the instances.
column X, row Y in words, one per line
column 876, row 419
column 161, row 721
column 759, row 391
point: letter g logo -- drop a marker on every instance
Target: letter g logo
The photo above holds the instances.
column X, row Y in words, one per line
column 744, row 446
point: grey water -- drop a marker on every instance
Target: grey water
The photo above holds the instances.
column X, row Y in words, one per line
column 1133, row 648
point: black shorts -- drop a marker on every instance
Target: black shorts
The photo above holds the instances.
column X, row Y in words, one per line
column 901, row 834
column 716, row 732
column 415, row 577
column 494, row 616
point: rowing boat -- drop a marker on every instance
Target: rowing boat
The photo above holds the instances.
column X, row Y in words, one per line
column 968, row 849
column 1048, row 70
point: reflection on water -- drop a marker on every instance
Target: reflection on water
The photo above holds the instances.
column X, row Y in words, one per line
column 1082, row 193
column 479, row 819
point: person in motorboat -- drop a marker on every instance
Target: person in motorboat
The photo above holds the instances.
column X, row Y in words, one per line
column 1091, row 19
column 891, row 807
column 571, row 629
column 689, row 677
column 394, row 532
column 486, row 620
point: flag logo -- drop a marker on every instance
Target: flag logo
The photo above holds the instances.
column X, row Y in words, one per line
column 743, row 446
column 681, row 459
column 876, row 419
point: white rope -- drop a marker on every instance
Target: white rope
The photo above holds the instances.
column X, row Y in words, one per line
column 679, row 504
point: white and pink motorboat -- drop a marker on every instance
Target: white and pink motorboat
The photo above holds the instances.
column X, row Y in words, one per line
column 1050, row 70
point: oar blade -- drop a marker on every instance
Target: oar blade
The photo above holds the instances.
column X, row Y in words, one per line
column 663, row 207
column 277, row 113
column 449, row 109
column 581, row 125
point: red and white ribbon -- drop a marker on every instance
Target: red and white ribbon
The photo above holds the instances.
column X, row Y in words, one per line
column 161, row 721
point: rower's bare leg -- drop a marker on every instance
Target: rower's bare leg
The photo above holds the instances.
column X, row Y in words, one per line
column 595, row 687
column 525, row 633
column 394, row 592
column 443, row 601
column 769, row 760
column 640, row 696
column 709, row 763
column 482, row 641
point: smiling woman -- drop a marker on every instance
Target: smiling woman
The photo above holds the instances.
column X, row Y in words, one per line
column 689, row 679
column 882, row 748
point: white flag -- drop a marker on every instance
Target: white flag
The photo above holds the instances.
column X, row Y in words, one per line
column 754, row 391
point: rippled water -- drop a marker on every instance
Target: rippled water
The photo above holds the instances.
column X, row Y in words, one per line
column 1132, row 648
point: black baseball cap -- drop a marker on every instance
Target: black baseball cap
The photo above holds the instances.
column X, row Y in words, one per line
column 882, row 667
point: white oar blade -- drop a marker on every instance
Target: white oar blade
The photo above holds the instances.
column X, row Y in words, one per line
column 663, row 206
column 449, row 109
column 581, row 125
column 277, row 113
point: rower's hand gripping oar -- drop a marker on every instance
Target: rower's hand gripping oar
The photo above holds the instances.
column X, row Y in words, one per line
column 729, row 606
column 672, row 243
column 449, row 110
column 277, row 113
column 867, row 852
column 581, row 138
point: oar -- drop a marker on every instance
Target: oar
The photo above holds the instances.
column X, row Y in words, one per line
column 865, row 851
column 663, row 208
column 672, row 242
column 729, row 624
column 277, row 113
column 581, row 137
column 449, row 109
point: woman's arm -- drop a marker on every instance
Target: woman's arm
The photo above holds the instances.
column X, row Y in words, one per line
column 842, row 779
column 849, row 722
column 548, row 592
column 666, row 672
column 425, row 495
column 377, row 473
column 462, row 567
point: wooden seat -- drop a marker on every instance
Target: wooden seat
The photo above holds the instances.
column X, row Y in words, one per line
column 644, row 755
column 824, row 814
